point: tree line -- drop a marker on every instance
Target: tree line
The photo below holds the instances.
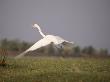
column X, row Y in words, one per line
column 91, row 51
column 14, row 45
column 20, row 46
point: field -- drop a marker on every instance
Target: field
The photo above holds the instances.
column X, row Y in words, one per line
column 51, row 69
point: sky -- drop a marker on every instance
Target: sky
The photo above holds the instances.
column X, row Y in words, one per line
column 85, row 22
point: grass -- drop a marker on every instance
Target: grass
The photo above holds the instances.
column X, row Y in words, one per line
column 47, row 69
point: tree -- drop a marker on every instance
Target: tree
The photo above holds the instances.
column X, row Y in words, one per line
column 13, row 45
column 103, row 52
column 76, row 50
column 4, row 44
column 24, row 45
column 88, row 50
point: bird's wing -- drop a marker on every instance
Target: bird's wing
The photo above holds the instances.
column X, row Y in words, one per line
column 43, row 42
column 40, row 43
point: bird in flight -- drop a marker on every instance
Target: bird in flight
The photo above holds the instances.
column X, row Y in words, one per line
column 46, row 40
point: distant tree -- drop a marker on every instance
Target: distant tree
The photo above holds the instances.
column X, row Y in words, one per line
column 23, row 46
column 4, row 44
column 76, row 50
column 84, row 50
column 103, row 52
column 88, row 50
column 13, row 45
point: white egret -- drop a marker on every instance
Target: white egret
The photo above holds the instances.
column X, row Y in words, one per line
column 46, row 40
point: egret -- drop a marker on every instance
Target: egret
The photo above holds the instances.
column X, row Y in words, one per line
column 46, row 40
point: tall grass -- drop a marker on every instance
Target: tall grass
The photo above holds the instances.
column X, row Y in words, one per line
column 56, row 70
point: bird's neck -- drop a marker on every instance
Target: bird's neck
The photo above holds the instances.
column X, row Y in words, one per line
column 42, row 33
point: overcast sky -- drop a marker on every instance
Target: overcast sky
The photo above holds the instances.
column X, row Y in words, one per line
column 86, row 22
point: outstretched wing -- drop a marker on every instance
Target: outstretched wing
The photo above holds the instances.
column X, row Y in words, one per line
column 40, row 43
column 43, row 42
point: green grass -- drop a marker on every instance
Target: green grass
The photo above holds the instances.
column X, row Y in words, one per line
column 56, row 70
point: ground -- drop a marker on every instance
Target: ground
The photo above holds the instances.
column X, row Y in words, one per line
column 50, row 69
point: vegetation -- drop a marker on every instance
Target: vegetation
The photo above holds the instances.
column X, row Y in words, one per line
column 86, row 67
column 3, row 56
column 68, row 51
column 14, row 45
column 56, row 70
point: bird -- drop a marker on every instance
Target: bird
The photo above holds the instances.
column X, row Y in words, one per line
column 46, row 40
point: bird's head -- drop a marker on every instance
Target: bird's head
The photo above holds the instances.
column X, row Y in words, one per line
column 39, row 29
column 36, row 26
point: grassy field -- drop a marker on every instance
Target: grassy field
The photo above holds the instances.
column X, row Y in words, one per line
column 56, row 70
